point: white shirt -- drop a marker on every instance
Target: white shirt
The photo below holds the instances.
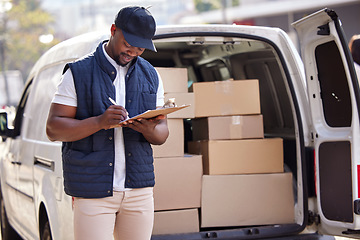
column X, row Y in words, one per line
column 66, row 95
column 357, row 70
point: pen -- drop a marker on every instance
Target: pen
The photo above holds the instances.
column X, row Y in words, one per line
column 112, row 101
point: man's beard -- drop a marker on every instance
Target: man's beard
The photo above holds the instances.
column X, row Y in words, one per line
column 117, row 59
column 121, row 64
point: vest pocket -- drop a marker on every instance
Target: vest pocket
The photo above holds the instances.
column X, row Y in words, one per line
column 148, row 100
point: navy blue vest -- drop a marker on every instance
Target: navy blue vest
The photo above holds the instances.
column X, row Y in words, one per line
column 88, row 164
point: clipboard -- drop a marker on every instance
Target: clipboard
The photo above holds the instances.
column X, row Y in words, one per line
column 154, row 113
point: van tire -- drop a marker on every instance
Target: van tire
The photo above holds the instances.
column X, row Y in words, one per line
column 46, row 231
column 7, row 232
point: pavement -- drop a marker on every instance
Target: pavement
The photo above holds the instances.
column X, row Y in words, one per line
column 344, row 238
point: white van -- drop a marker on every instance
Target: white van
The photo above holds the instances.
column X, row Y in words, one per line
column 311, row 104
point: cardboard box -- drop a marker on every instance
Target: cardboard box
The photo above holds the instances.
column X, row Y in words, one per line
column 177, row 221
column 223, row 98
column 174, row 145
column 174, row 79
column 240, row 156
column 228, row 127
column 177, row 182
column 240, row 200
column 182, row 99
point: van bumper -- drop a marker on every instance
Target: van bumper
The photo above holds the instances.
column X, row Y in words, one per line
column 313, row 236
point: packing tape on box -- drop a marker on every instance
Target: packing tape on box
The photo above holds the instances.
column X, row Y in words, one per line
column 223, row 87
column 236, row 120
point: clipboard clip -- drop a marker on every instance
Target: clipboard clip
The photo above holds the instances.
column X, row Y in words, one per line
column 170, row 103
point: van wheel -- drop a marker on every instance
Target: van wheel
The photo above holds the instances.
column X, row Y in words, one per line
column 46, row 233
column 7, row 232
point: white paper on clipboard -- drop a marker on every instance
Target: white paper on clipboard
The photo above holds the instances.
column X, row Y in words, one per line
column 154, row 113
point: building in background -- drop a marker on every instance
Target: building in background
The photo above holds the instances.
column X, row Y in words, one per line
column 281, row 13
column 74, row 17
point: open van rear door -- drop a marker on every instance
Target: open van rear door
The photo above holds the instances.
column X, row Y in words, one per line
column 335, row 102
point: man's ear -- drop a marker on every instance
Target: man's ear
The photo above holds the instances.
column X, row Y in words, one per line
column 113, row 29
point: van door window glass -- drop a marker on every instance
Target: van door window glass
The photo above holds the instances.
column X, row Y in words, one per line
column 20, row 109
column 335, row 94
column 42, row 95
column 215, row 71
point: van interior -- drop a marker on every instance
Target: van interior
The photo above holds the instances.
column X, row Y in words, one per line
column 218, row 58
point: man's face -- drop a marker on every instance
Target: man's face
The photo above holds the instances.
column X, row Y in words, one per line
column 120, row 50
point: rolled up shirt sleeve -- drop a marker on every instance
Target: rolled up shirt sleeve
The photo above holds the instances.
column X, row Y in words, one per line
column 65, row 93
column 160, row 98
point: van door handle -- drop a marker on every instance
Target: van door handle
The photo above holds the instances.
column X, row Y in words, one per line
column 15, row 163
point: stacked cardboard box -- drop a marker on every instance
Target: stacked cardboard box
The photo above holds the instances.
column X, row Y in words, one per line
column 233, row 174
column 245, row 156
column 176, row 221
column 226, row 98
column 178, row 182
column 244, row 182
column 228, row 127
column 247, row 199
column 175, row 81
column 178, row 176
column 174, row 145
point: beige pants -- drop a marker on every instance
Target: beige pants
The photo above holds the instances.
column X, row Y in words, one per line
column 126, row 215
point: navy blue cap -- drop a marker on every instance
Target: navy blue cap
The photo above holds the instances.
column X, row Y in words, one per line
column 138, row 26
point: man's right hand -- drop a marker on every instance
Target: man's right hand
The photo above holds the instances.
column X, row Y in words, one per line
column 113, row 116
column 63, row 126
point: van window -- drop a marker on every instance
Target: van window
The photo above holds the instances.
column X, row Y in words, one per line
column 335, row 94
column 42, row 94
column 20, row 109
column 215, row 71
